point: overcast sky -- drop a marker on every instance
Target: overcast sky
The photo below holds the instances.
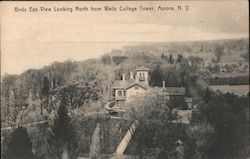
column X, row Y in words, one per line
column 33, row 40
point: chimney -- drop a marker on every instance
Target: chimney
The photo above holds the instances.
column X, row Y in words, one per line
column 131, row 75
column 163, row 84
column 123, row 77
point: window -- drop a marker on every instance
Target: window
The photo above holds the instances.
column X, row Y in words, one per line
column 136, row 87
column 119, row 93
column 143, row 75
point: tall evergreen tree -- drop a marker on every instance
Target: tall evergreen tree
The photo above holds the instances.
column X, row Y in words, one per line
column 219, row 51
column 179, row 58
column 46, row 86
column 20, row 146
column 63, row 133
column 207, row 95
column 171, row 59
column 162, row 56
column 156, row 77
column 95, row 146
column 45, row 93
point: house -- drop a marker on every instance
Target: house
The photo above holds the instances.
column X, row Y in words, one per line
column 137, row 84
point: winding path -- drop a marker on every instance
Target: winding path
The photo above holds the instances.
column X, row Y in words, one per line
column 25, row 125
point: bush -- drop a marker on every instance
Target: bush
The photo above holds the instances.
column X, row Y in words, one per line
column 20, row 146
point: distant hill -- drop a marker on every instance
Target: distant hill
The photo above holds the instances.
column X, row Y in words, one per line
column 234, row 49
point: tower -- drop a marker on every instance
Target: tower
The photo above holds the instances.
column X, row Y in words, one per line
column 142, row 75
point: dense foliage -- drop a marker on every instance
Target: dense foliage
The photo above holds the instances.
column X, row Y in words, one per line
column 221, row 126
column 157, row 134
column 19, row 146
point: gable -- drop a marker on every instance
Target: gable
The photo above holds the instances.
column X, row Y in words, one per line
column 142, row 68
column 134, row 85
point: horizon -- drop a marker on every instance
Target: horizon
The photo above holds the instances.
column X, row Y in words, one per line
column 34, row 40
column 131, row 44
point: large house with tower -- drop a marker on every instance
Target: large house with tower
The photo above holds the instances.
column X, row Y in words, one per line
column 127, row 88
column 137, row 84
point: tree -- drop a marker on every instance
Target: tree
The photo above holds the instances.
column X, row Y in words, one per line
column 39, row 135
column 44, row 93
column 171, row 59
column 223, row 119
column 63, row 133
column 95, row 146
column 198, row 140
column 46, row 86
column 76, row 95
column 202, row 48
column 228, row 114
column 207, row 95
column 179, row 58
column 106, row 59
column 119, row 59
column 12, row 109
column 156, row 77
column 20, row 146
column 162, row 56
column 195, row 63
column 7, row 93
column 219, row 51
column 156, row 133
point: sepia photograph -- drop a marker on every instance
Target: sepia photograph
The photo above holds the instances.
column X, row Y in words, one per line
column 125, row 79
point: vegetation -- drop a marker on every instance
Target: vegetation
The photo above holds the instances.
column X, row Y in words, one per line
column 157, row 134
column 219, row 127
column 95, row 146
column 19, row 146
column 70, row 96
column 219, row 51
column 40, row 135
column 63, row 136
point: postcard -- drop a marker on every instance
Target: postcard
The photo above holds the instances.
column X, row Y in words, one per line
column 125, row 79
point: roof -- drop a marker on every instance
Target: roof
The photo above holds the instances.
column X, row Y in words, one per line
column 119, row 84
column 142, row 68
column 175, row 90
column 139, row 84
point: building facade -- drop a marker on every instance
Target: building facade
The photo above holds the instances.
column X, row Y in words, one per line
column 129, row 87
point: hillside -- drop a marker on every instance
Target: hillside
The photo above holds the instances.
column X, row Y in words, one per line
column 217, row 57
column 173, row 59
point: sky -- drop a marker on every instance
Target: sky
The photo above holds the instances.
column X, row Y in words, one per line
column 33, row 40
